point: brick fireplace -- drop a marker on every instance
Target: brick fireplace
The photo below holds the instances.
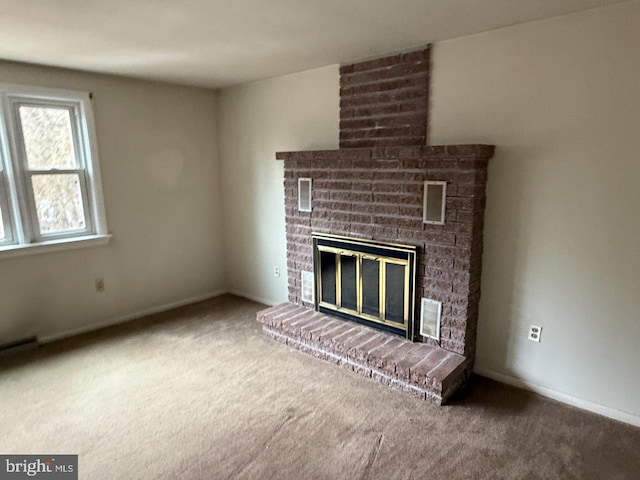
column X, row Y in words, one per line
column 373, row 188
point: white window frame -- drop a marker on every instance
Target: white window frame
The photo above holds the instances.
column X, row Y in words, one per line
column 23, row 235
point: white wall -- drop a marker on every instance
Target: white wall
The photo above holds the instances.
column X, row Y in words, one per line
column 561, row 100
column 158, row 153
column 294, row 112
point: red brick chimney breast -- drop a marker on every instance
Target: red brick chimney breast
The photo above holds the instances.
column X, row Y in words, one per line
column 384, row 101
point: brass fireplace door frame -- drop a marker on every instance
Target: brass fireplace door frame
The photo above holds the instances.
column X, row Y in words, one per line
column 367, row 250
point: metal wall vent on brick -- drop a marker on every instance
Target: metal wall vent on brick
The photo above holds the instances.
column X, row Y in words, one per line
column 304, row 194
column 430, row 312
column 308, row 286
column 435, row 194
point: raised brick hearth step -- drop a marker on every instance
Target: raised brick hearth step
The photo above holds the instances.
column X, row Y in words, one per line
column 423, row 370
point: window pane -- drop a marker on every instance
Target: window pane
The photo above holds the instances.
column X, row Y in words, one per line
column 2, row 234
column 58, row 203
column 48, row 137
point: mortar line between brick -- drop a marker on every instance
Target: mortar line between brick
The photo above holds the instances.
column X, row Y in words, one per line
column 435, row 368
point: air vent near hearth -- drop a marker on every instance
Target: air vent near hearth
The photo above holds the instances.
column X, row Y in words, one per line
column 430, row 312
column 304, row 194
column 308, row 287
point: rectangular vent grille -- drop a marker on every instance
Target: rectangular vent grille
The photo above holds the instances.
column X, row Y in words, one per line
column 304, row 194
column 307, row 287
column 435, row 196
column 430, row 313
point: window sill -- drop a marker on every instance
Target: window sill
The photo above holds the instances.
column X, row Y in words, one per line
column 53, row 246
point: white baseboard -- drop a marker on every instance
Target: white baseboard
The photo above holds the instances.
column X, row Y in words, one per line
column 255, row 298
column 560, row 396
column 130, row 316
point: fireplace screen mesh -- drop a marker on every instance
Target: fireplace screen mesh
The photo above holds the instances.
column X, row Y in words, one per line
column 371, row 295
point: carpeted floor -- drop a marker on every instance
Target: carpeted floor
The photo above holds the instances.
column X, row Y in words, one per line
column 198, row 393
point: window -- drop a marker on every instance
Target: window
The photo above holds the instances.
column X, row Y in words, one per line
column 50, row 187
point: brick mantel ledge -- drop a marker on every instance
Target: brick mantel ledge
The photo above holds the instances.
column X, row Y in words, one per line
column 431, row 151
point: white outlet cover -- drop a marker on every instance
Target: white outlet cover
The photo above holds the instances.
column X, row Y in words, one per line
column 535, row 333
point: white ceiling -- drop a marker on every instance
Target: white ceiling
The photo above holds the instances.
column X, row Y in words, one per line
column 215, row 43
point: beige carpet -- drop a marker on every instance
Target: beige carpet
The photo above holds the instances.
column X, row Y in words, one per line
column 199, row 394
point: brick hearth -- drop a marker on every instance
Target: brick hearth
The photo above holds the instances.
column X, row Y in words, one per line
column 422, row 370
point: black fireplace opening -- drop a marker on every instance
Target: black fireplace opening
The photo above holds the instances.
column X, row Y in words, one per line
column 366, row 281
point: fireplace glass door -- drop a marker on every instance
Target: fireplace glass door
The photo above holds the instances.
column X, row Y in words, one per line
column 366, row 281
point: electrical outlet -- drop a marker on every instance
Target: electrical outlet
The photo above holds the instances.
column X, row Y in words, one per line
column 534, row 333
column 276, row 271
column 99, row 285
